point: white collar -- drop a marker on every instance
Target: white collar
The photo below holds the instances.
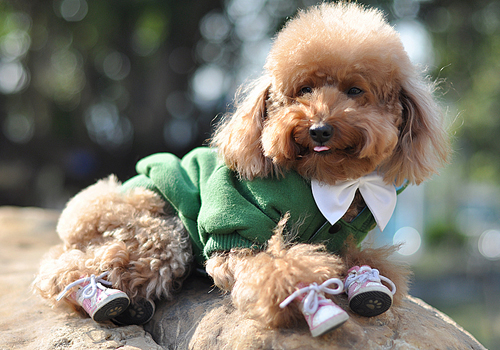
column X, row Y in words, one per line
column 334, row 200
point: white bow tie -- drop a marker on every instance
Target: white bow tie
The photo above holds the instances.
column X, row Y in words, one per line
column 334, row 200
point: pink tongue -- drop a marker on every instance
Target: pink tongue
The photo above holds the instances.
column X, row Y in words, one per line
column 321, row 148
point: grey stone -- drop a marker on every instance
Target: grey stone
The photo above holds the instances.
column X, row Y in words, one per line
column 199, row 318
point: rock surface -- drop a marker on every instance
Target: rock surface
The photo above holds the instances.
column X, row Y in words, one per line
column 25, row 321
column 199, row 318
column 203, row 319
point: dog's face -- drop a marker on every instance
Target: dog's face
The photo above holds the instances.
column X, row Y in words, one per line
column 330, row 133
column 340, row 99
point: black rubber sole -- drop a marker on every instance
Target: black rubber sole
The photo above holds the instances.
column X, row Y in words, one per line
column 112, row 309
column 136, row 314
column 370, row 304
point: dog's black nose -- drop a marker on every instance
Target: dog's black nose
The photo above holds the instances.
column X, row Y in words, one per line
column 321, row 132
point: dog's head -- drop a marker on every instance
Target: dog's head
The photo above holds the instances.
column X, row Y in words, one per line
column 338, row 100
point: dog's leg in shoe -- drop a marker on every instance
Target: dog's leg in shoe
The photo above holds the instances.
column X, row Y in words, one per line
column 260, row 281
column 374, row 282
column 126, row 235
column 64, row 275
column 322, row 314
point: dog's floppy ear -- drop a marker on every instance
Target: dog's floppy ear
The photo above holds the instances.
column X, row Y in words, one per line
column 238, row 136
column 423, row 144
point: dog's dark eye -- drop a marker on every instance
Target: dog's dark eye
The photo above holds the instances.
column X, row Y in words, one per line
column 305, row 90
column 354, row 91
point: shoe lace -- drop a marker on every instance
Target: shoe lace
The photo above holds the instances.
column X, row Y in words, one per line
column 90, row 289
column 312, row 300
column 372, row 275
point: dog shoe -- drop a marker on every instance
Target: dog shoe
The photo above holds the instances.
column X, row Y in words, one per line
column 322, row 314
column 367, row 295
column 327, row 316
column 100, row 302
column 136, row 314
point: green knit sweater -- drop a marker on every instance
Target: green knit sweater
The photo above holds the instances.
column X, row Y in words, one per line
column 221, row 211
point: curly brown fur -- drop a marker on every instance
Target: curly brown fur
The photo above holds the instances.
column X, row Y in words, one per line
column 336, row 66
column 259, row 281
column 393, row 125
column 146, row 251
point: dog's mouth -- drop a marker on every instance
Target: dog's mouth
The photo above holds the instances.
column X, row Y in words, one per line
column 320, row 149
column 326, row 150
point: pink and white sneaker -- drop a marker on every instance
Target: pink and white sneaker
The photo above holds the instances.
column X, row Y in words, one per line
column 367, row 295
column 322, row 314
column 100, row 302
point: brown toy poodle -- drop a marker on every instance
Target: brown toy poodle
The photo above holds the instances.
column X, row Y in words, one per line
column 312, row 159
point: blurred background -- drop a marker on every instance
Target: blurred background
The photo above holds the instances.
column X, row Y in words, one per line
column 87, row 88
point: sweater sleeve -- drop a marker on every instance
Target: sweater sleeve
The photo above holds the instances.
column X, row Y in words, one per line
column 196, row 188
column 164, row 174
column 226, row 219
column 222, row 211
column 232, row 212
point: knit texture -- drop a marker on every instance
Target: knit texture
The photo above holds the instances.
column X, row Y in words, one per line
column 221, row 211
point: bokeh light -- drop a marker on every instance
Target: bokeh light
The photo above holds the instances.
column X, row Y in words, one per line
column 73, row 10
column 149, row 32
column 107, row 127
column 237, row 9
column 116, row 65
column 215, row 27
column 416, row 41
column 14, row 77
column 15, row 44
column 209, row 84
column 489, row 244
column 410, row 239
column 19, row 128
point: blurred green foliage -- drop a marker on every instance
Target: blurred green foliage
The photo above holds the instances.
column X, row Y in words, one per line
column 467, row 46
column 445, row 233
column 88, row 87
column 83, row 86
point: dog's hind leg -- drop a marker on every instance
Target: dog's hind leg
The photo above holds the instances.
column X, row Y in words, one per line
column 144, row 251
